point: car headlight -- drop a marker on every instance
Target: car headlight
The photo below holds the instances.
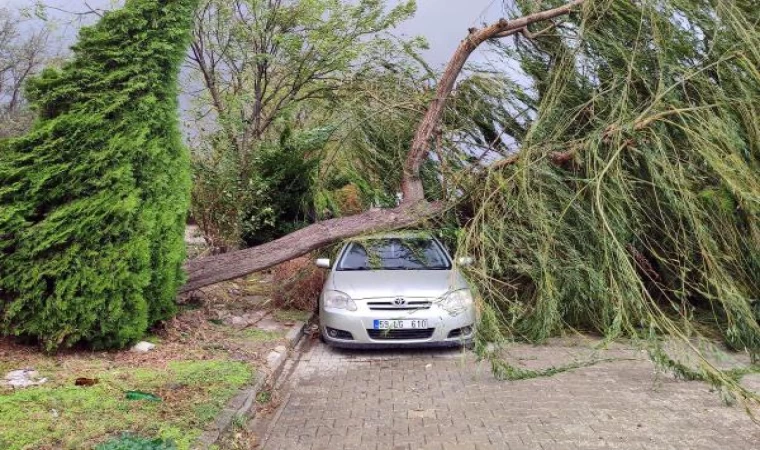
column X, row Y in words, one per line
column 338, row 300
column 457, row 301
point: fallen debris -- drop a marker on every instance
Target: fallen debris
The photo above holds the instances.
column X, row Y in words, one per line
column 139, row 395
column 86, row 381
column 143, row 347
column 23, row 378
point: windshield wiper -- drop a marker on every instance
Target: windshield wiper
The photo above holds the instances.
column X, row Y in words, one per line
column 349, row 269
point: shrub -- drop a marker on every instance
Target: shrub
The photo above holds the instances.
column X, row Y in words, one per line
column 252, row 200
column 93, row 199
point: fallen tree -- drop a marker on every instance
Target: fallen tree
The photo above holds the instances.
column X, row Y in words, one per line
column 632, row 209
column 205, row 271
column 413, row 208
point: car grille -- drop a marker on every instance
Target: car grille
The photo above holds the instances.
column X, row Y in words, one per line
column 389, row 335
column 391, row 305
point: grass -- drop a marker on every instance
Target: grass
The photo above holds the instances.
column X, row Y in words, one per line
column 60, row 414
column 264, row 397
column 258, row 335
column 130, row 442
column 291, row 315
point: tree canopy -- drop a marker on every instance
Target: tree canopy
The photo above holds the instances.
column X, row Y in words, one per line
column 632, row 205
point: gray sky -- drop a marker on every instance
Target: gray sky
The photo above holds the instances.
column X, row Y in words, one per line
column 443, row 22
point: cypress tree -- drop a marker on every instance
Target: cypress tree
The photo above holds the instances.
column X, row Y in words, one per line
column 94, row 198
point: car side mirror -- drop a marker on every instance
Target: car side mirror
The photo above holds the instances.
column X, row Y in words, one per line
column 465, row 261
column 323, row 263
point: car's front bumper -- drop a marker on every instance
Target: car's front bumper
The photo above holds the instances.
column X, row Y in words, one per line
column 360, row 323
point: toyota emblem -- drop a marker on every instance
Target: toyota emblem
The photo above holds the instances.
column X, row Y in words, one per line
column 399, row 302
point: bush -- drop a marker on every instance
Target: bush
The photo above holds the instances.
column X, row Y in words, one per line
column 241, row 201
column 94, row 198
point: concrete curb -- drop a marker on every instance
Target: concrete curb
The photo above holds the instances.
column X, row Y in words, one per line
column 244, row 402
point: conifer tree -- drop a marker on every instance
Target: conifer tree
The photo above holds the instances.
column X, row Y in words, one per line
column 94, row 198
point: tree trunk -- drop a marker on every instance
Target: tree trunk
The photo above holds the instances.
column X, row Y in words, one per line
column 214, row 269
column 413, row 209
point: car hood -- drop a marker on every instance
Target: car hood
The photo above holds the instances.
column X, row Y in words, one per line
column 396, row 283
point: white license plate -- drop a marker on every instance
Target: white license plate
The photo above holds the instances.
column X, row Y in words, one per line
column 400, row 324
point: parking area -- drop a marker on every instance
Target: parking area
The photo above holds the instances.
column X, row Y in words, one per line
column 444, row 399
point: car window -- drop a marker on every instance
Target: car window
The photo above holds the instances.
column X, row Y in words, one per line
column 394, row 254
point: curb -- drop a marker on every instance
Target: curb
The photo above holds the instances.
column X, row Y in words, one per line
column 244, row 402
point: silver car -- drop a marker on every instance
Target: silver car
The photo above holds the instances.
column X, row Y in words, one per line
column 395, row 290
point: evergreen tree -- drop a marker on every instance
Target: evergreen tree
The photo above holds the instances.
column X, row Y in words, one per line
column 94, row 198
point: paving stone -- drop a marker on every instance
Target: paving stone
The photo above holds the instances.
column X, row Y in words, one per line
column 440, row 400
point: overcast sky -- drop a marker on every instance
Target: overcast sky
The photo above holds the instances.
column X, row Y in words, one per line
column 443, row 22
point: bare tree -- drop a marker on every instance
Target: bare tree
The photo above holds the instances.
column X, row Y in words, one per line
column 21, row 56
column 412, row 210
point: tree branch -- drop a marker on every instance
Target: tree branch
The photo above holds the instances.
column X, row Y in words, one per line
column 412, row 185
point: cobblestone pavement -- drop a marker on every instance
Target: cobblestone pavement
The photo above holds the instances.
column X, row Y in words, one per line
column 433, row 399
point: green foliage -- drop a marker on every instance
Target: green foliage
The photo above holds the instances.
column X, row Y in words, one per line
column 94, row 198
column 257, row 199
column 273, row 71
column 264, row 397
column 648, row 224
column 129, row 442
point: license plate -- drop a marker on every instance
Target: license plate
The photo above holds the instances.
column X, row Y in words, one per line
column 400, row 324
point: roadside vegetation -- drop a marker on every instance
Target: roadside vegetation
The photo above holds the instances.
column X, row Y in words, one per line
column 164, row 398
column 59, row 414
column 94, row 198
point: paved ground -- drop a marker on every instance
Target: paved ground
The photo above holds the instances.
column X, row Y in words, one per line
column 336, row 399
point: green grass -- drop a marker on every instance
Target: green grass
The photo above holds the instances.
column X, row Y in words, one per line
column 264, row 397
column 291, row 315
column 63, row 415
column 259, row 335
column 129, row 442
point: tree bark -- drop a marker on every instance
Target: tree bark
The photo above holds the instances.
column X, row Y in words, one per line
column 214, row 269
column 413, row 209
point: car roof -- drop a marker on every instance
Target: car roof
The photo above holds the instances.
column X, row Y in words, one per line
column 394, row 235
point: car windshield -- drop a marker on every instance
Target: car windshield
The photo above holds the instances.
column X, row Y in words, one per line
column 394, row 254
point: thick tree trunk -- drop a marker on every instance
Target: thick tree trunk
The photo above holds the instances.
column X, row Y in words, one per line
column 413, row 209
column 214, row 269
